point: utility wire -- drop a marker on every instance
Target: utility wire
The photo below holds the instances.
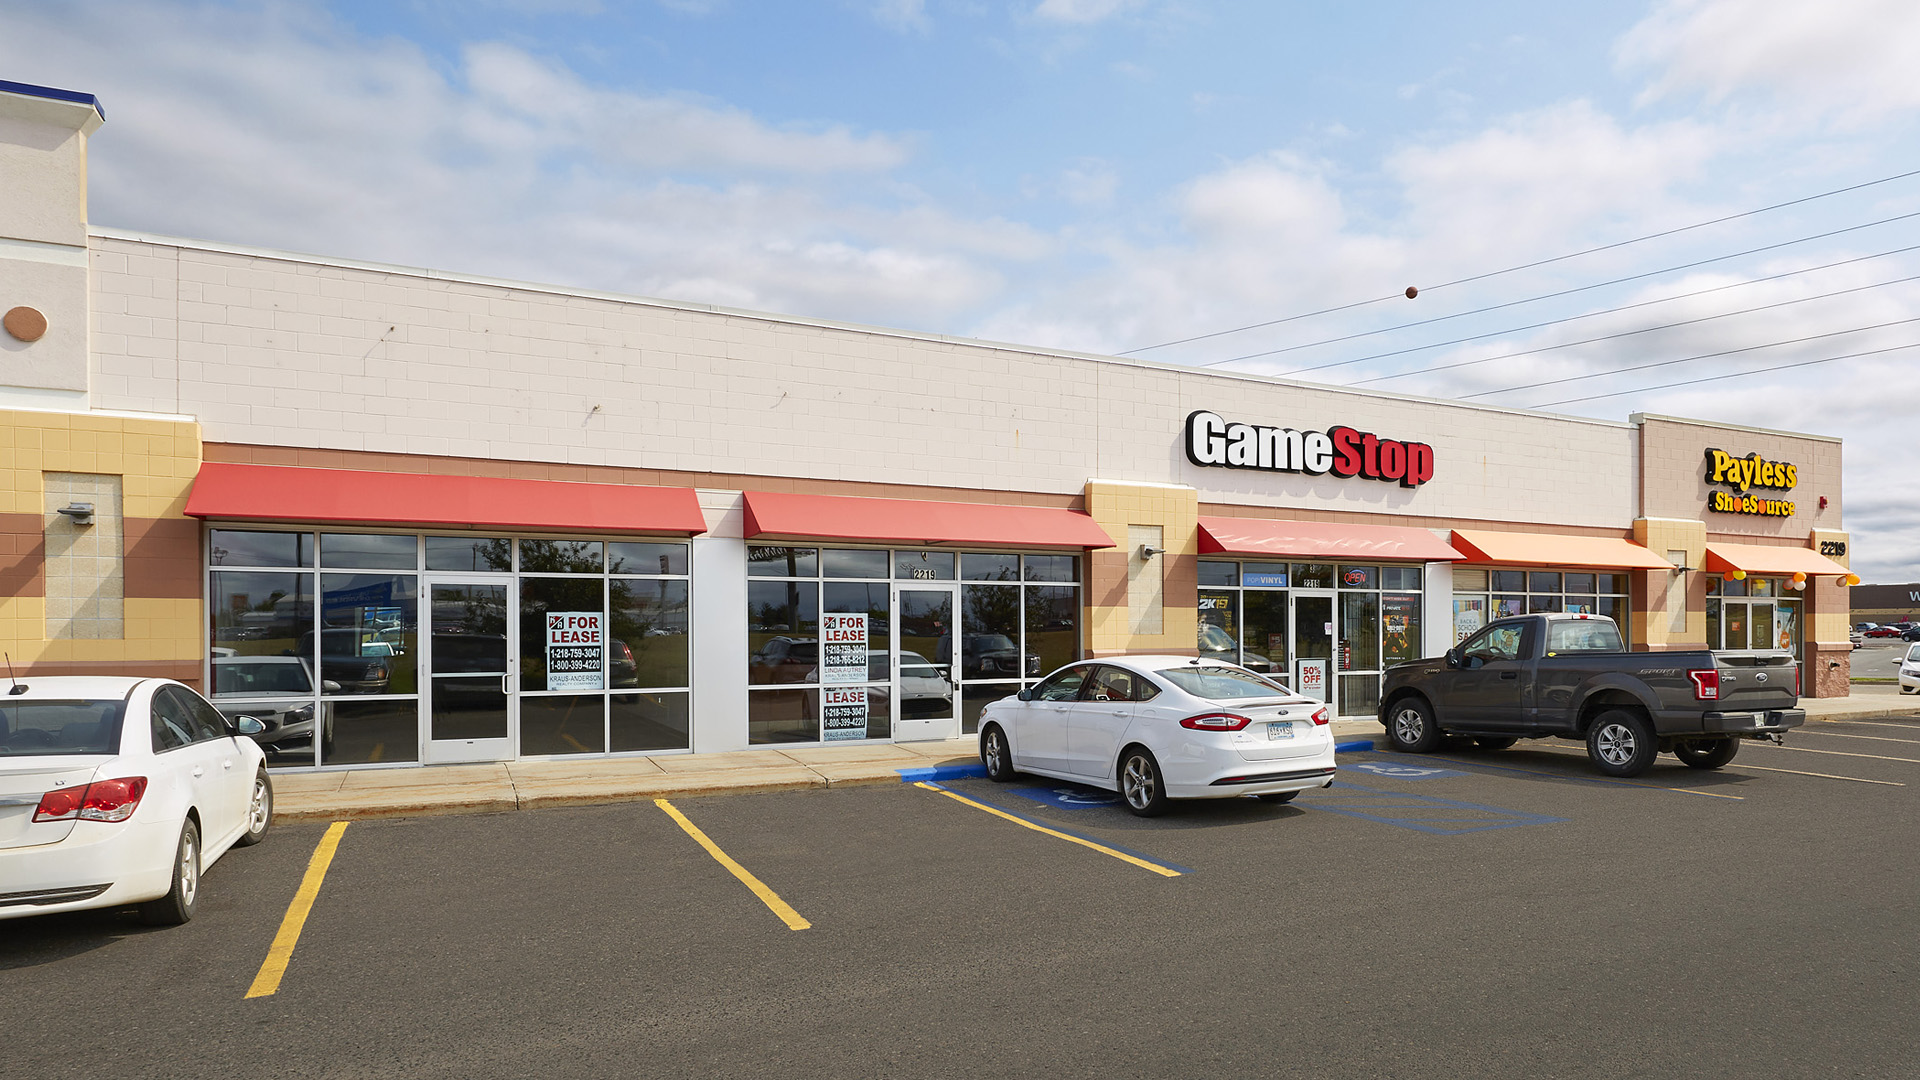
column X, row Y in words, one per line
column 1532, row 299
column 1625, row 333
column 1531, row 265
column 1717, row 378
column 1604, row 311
column 1689, row 359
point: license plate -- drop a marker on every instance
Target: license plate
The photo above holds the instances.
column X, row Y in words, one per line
column 1282, row 729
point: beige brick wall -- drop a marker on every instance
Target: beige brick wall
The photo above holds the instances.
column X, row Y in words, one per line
column 1121, row 585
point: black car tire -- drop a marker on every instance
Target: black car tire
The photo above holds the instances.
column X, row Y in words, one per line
column 1706, row 753
column 1493, row 742
column 177, row 906
column 996, row 755
column 1410, row 726
column 259, row 810
column 1277, row 797
column 1621, row 743
column 1141, row 786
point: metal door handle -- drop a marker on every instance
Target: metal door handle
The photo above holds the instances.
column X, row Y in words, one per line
column 1119, row 712
column 198, row 771
column 1509, row 674
column 506, row 686
column 227, row 764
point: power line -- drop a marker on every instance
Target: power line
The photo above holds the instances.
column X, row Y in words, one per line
column 1717, row 378
column 1690, row 359
column 1531, row 265
column 1532, row 299
column 1604, row 311
column 1626, row 333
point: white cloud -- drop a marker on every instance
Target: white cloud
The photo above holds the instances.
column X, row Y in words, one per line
column 906, row 16
column 1083, row 11
column 1848, row 58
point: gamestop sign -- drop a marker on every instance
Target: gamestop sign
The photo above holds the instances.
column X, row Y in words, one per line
column 1342, row 451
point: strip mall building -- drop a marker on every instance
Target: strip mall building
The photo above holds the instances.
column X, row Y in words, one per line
column 409, row 516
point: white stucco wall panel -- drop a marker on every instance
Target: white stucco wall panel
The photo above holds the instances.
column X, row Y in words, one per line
column 311, row 353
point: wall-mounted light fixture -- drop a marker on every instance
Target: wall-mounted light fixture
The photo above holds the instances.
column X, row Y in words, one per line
column 78, row 512
column 1148, row 551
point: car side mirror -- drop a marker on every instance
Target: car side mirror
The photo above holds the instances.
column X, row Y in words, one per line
column 247, row 725
column 1453, row 658
column 328, row 686
column 1025, row 694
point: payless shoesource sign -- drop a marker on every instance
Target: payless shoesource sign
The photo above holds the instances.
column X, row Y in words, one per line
column 1340, row 450
column 1746, row 478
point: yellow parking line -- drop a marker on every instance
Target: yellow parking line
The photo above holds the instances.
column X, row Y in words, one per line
column 1101, row 848
column 1821, row 775
column 767, row 896
column 280, row 952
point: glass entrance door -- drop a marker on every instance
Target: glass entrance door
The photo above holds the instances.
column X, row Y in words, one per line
column 923, row 690
column 468, row 690
column 1313, row 638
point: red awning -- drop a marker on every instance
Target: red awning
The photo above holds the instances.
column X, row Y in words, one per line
column 1322, row 539
column 282, row 493
column 1550, row 549
column 839, row 517
column 1767, row 559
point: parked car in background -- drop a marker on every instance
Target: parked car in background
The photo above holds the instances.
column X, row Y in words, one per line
column 1863, row 627
column 1155, row 728
column 286, row 713
column 353, row 658
column 987, row 656
column 1910, row 670
column 120, row 791
column 1883, row 632
column 783, row 660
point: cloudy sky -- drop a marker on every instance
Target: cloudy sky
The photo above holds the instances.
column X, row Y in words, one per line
column 1105, row 175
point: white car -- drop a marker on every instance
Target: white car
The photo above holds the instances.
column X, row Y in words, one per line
column 1910, row 670
column 119, row 791
column 1155, row 728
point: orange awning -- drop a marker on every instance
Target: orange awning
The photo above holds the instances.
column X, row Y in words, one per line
column 1551, row 549
column 912, row 521
column 1322, row 540
column 1765, row 559
column 284, row 493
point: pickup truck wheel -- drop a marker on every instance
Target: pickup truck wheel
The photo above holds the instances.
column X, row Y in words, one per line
column 1621, row 743
column 1410, row 727
column 1706, row 753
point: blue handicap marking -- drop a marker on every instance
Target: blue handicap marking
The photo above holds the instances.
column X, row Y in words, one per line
column 1403, row 772
column 1068, row 797
column 1421, row 813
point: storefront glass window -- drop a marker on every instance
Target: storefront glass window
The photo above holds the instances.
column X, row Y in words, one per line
column 853, row 563
column 1312, row 575
column 572, row 667
column 369, row 732
column 1219, row 573
column 1469, row 615
column 1219, row 630
column 369, row 551
column 647, row 644
column 1053, row 624
column 777, row 716
column 1543, row 581
column 236, row 547
column 467, row 555
column 1052, row 567
column 560, row 556
column 367, row 631
column 1545, row 592
column 783, row 562
column 1399, row 628
column 1508, row 580
column 665, row 559
column 923, row 565
column 990, row 567
column 1333, row 646
column 563, row 724
column 1264, row 639
column 649, row 721
column 1359, row 632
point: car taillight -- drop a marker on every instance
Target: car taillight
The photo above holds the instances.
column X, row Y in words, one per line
column 1706, row 683
column 1216, row 721
column 102, row 800
column 1796, row 680
column 1322, row 716
column 624, row 650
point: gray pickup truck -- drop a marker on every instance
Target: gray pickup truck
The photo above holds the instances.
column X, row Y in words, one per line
column 1571, row 677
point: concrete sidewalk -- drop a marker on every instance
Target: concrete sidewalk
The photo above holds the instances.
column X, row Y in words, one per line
column 523, row 785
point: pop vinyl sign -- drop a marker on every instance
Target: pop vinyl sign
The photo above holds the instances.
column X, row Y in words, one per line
column 1340, row 450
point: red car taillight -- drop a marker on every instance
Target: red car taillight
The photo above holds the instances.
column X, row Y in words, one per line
column 1322, row 716
column 1216, row 721
column 102, row 800
column 1706, row 684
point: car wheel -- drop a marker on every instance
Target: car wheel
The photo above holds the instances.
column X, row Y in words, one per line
column 1621, row 743
column 1489, row 742
column 259, row 811
column 1410, row 726
column 1706, row 753
column 1277, row 797
column 996, row 755
column 1140, row 783
column 177, row 906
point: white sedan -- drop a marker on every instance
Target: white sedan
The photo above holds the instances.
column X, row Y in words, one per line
column 119, row 791
column 1910, row 670
column 1155, row 728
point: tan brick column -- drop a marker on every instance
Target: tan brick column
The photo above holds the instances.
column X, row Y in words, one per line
column 1139, row 603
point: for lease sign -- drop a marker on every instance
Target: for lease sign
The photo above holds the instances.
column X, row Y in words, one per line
column 576, row 644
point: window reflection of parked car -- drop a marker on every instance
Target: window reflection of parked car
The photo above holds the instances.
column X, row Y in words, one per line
column 987, row 656
column 343, row 660
column 1217, row 644
column 925, row 690
column 783, row 660
column 287, row 727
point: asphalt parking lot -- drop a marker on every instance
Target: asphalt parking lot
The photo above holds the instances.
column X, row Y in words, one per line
column 1499, row 914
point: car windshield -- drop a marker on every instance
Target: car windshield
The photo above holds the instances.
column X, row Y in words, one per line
column 47, row 728
column 1217, row 683
column 991, row 643
column 261, row 677
column 1913, row 652
column 1215, row 639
